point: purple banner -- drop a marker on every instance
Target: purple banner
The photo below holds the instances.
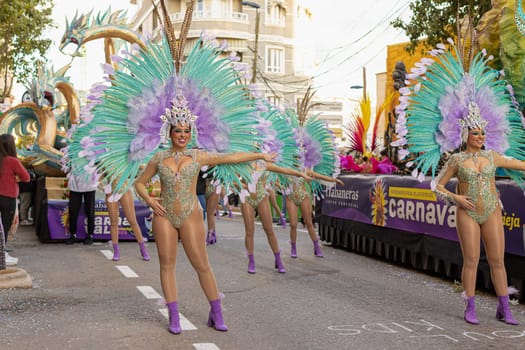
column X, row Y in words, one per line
column 58, row 221
column 404, row 203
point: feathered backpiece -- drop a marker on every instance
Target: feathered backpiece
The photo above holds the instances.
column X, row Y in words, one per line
column 317, row 149
column 279, row 138
column 226, row 110
column 128, row 117
column 442, row 100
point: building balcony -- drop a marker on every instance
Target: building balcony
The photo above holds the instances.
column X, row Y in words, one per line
column 239, row 17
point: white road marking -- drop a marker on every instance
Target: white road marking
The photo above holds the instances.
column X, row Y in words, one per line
column 205, row 346
column 185, row 324
column 149, row 292
column 107, row 253
column 127, row 271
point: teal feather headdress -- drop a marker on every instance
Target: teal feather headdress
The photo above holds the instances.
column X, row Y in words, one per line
column 279, row 138
column 437, row 107
column 317, row 149
column 126, row 128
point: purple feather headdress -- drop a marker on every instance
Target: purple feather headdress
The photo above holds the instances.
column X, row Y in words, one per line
column 144, row 117
column 212, row 134
column 465, row 106
column 271, row 143
column 310, row 152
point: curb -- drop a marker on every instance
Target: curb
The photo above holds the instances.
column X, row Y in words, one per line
column 14, row 277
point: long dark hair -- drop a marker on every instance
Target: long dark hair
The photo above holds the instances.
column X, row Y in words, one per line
column 7, row 147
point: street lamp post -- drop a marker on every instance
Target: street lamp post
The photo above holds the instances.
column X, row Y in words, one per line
column 361, row 86
column 256, row 6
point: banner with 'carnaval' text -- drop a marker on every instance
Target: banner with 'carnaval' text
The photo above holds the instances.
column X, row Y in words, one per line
column 404, row 203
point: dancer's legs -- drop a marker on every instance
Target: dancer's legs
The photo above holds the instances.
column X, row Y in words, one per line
column 292, row 218
column 265, row 216
column 469, row 239
column 248, row 216
column 128, row 206
column 493, row 237
column 166, row 239
column 192, row 237
column 306, row 210
column 273, row 202
column 113, row 212
column 211, row 206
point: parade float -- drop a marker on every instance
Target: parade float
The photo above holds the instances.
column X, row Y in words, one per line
column 40, row 125
column 398, row 217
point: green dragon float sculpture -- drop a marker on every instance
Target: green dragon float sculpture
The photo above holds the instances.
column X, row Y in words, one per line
column 40, row 122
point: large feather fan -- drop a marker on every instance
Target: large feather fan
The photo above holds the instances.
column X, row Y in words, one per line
column 126, row 129
column 317, row 149
column 430, row 109
column 279, row 138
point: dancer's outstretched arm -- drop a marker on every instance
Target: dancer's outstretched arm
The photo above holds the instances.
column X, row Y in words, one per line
column 315, row 175
column 286, row 171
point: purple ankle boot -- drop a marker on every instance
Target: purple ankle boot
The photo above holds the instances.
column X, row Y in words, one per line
column 215, row 319
column 317, row 249
column 211, row 238
column 503, row 311
column 116, row 252
column 143, row 251
column 173, row 309
column 278, row 263
column 470, row 311
column 293, row 254
column 282, row 221
column 251, row 263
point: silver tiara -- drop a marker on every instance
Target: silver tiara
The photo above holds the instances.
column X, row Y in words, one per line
column 473, row 119
column 179, row 113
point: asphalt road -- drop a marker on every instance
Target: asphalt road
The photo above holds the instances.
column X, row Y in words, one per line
column 83, row 300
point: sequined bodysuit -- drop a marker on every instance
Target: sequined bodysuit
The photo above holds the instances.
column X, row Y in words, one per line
column 300, row 190
column 479, row 186
column 254, row 199
column 177, row 196
column 210, row 189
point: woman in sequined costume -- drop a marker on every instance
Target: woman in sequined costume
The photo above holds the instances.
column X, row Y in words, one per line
column 179, row 215
column 259, row 200
column 478, row 215
column 301, row 197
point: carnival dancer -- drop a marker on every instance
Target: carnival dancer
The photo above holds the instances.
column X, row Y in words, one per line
column 473, row 113
column 259, row 200
column 280, row 138
column 178, row 215
column 155, row 109
column 320, row 161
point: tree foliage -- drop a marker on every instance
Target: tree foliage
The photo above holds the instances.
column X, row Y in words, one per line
column 437, row 20
column 22, row 25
